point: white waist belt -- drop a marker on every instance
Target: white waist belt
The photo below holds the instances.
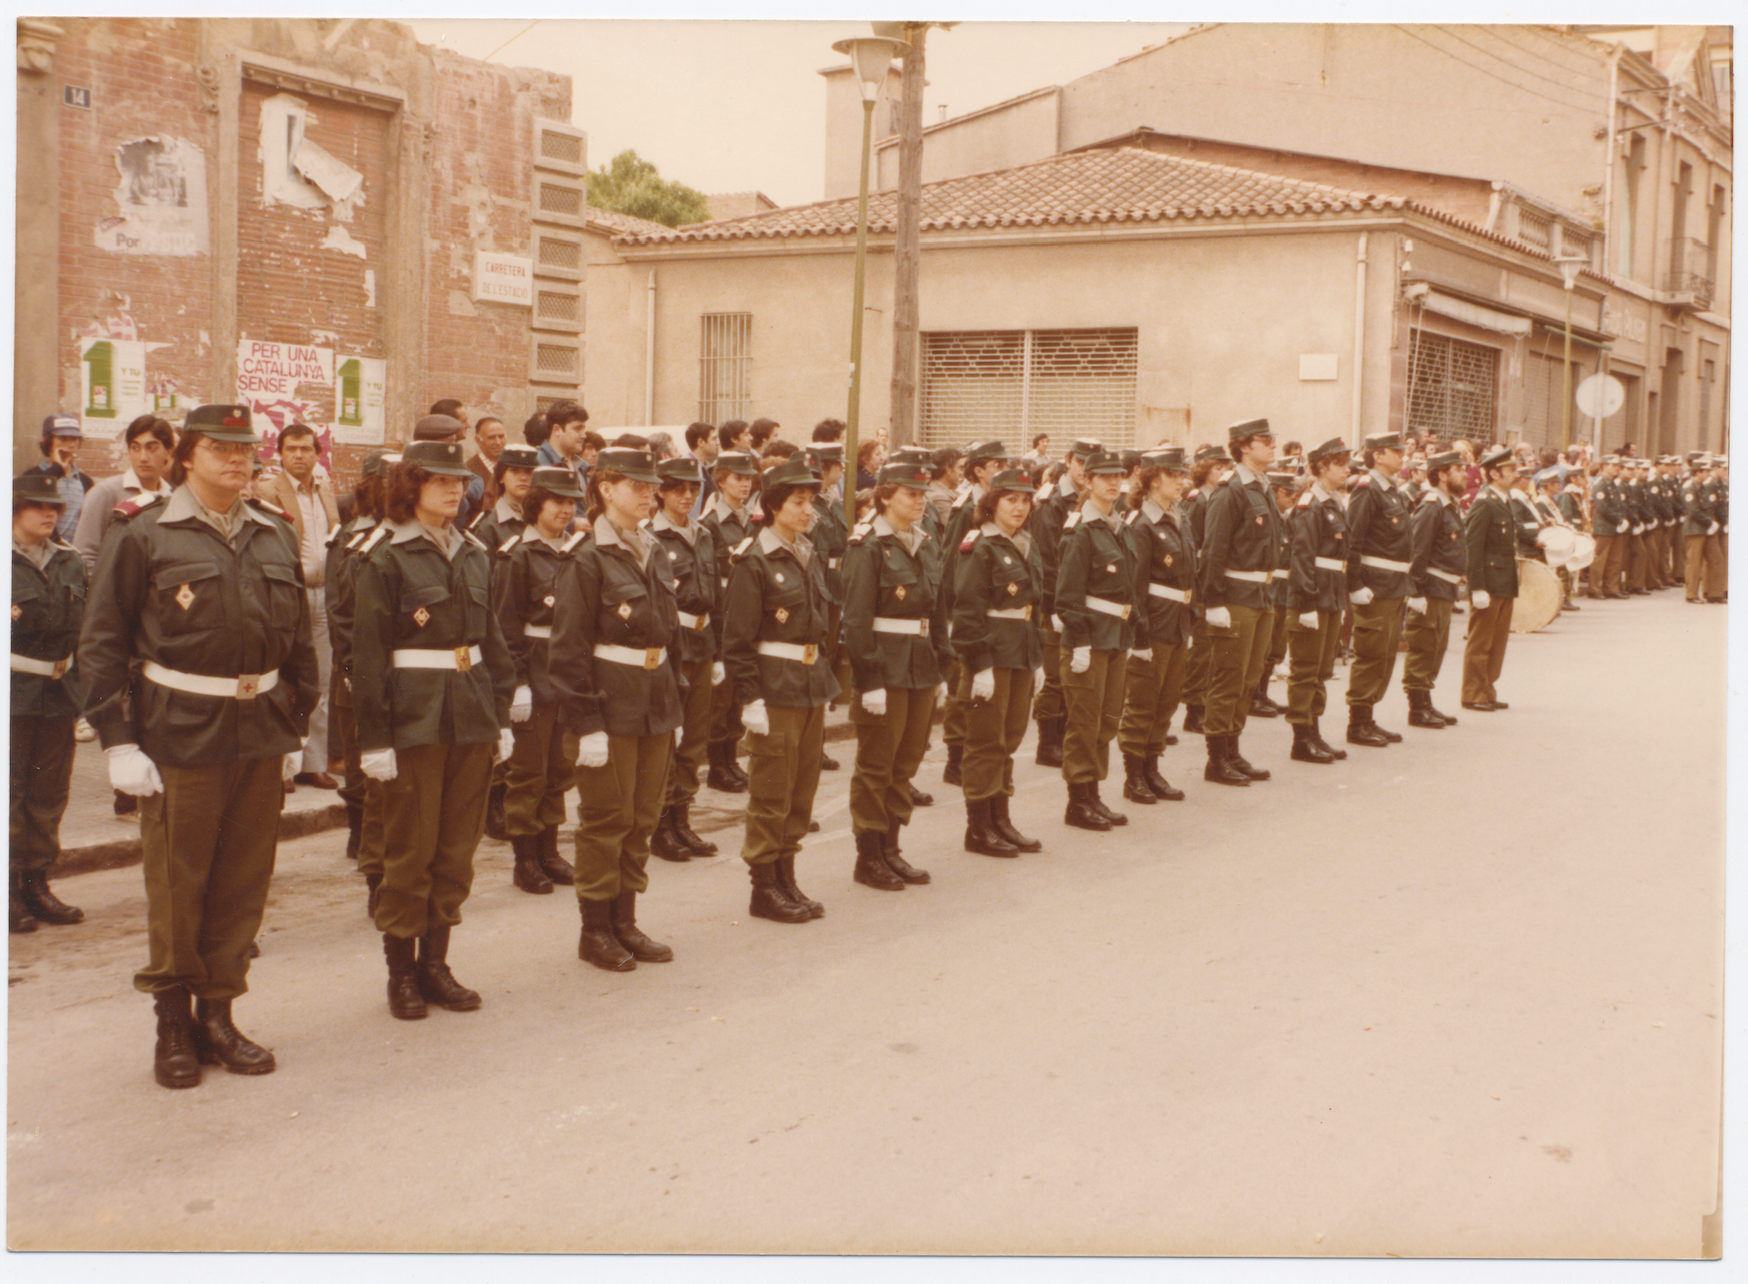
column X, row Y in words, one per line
column 1329, row 564
column 43, row 668
column 1056, row 623
column 1009, row 613
column 693, row 621
column 1105, row 607
column 1255, row 577
column 1385, row 564
column 832, row 562
column 537, row 630
column 790, row 651
column 460, row 658
column 1169, row 594
column 1446, row 576
column 638, row 657
column 246, row 687
column 887, row 624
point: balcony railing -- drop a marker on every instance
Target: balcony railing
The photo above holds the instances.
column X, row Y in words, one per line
column 1693, row 267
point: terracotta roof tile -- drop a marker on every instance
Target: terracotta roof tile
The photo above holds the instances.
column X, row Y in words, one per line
column 626, row 224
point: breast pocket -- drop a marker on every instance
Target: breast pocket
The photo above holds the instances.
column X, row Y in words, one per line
column 284, row 592
column 622, row 604
column 29, row 604
column 901, row 587
column 190, row 597
column 417, row 609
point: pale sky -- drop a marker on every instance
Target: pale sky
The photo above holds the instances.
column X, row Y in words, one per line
column 739, row 106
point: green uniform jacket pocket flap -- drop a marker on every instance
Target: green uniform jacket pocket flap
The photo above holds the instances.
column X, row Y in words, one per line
column 624, row 590
column 428, row 596
column 184, row 573
column 284, row 574
column 26, row 587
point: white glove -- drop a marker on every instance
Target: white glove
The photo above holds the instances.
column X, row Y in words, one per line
column 755, row 719
column 1219, row 617
column 1360, row 597
column 1713, row 529
column 378, row 764
column 132, row 772
column 1417, row 605
column 592, row 750
column 1481, row 599
column 522, row 704
column 506, row 744
column 718, row 673
column 983, row 685
column 290, row 765
column 1038, row 677
column 1080, row 660
column 1638, row 529
column 1308, row 619
column 1142, row 653
column 875, row 702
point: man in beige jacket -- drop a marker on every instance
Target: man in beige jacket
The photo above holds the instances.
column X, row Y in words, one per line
column 308, row 499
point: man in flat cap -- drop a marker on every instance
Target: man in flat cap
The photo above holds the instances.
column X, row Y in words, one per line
column 1380, row 549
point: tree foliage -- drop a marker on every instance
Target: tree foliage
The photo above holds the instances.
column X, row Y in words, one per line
column 631, row 185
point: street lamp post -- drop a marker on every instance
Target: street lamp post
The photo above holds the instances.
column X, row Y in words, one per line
column 870, row 57
column 1569, row 268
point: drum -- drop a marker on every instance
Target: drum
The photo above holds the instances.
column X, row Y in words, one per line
column 1557, row 543
column 1583, row 552
column 1538, row 596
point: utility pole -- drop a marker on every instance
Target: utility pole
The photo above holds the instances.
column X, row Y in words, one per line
column 907, row 248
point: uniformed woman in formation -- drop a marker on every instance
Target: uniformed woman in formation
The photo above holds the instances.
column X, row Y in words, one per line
column 997, row 594
column 691, row 549
column 895, row 634
column 496, row 527
column 729, row 520
column 199, row 678
column 356, row 787
column 48, row 602
column 431, row 688
column 1316, row 598
column 617, row 671
column 543, row 764
column 1095, row 598
column 1164, row 622
column 775, row 618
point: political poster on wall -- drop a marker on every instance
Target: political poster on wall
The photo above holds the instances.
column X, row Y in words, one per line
column 360, row 397
column 112, row 379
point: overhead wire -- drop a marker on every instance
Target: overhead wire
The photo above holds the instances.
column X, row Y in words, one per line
column 1407, row 31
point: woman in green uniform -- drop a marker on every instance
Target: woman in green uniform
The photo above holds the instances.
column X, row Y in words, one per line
column 1165, row 622
column 617, row 672
column 895, row 634
column 1095, row 597
column 729, row 520
column 543, row 764
column 497, row 528
column 691, row 549
column 775, row 618
column 996, row 598
column 48, row 602
column 431, row 688
column 356, row 788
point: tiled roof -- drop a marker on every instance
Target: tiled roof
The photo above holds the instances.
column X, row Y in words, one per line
column 626, row 224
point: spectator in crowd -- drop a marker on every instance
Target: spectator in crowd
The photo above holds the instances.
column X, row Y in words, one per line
column 761, row 432
column 661, row 445
column 61, row 436
column 734, row 435
column 702, row 445
column 948, row 461
column 489, row 436
column 1039, row 455
column 566, row 424
column 829, row 430
column 149, row 443
column 535, row 429
column 869, row 456
column 308, row 499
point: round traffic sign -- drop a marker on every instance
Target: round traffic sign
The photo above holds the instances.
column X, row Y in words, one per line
column 1600, row 395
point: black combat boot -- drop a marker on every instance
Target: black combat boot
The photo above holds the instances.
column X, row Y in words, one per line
column 1361, row 730
column 1162, row 788
column 1421, row 713
column 1306, row 748
column 175, row 1061
column 556, row 867
column 682, row 827
column 1334, row 751
column 1083, row 809
column 955, row 759
column 664, row 842
column 1135, row 786
column 871, row 867
column 496, row 826
column 1193, row 720
column 722, row 775
column 1260, row 704
column 436, row 982
column 1104, row 809
column 405, row 1003
column 1439, row 713
column 769, row 900
column 919, row 799
column 1050, row 741
column 896, row 862
column 43, row 904
column 731, row 761
column 981, row 835
column 18, row 915
column 598, row 944
column 354, row 829
column 1004, row 825
column 1236, row 759
column 625, row 927
column 526, row 873
column 219, row 1043
column 829, row 763
column 1220, row 770
column 792, row 889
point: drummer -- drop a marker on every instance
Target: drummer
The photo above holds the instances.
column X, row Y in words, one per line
column 1556, row 530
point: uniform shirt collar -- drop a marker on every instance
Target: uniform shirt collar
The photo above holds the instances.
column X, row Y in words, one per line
column 1020, row 539
column 531, row 534
column 1089, row 512
column 1151, row 511
column 507, row 509
column 607, row 535
column 130, row 480
column 407, row 532
column 910, row 539
column 1245, row 476
column 771, row 542
column 724, row 510
column 662, row 522
column 1380, row 479
column 183, row 504
column 38, row 556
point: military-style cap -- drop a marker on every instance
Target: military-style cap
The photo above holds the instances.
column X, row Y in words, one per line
column 1611, row 459
column 222, row 423
column 1104, row 462
column 682, row 469
column 1248, row 428
column 1720, row 461
column 1552, row 473
column 442, row 458
column 1667, row 459
column 376, row 461
column 563, row 482
column 1448, row 459
column 1280, row 480
column 1384, row 441
column 37, row 488
column 1085, row 447
column 1170, row 458
column 984, row 451
column 822, row 454
column 913, row 475
column 913, row 455
column 1016, row 479
column 629, row 462
column 62, row 426
column 793, row 471
column 519, row 457
column 1329, row 449
column 437, row 427
column 736, row 461
column 1695, row 458
column 1496, row 458
column 1211, row 452
column 1417, row 464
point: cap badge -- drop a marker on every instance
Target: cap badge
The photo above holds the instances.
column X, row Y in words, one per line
column 547, row 599
column 782, row 615
column 625, row 610
column 1013, row 589
column 185, row 597
column 421, row 617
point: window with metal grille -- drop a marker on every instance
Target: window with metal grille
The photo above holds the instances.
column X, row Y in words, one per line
column 553, row 360
column 725, row 366
column 1014, row 384
column 557, row 308
column 560, row 147
column 1453, row 387
column 561, row 199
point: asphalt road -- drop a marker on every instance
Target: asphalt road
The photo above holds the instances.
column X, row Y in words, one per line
column 1457, row 997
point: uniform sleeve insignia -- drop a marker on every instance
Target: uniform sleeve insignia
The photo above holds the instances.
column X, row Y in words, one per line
column 421, row 617
column 899, row 593
column 509, row 544
column 625, row 610
column 1072, row 520
column 1366, row 480
column 970, row 539
column 138, row 504
column 782, row 615
column 575, row 539
column 741, row 548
